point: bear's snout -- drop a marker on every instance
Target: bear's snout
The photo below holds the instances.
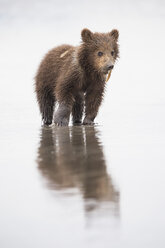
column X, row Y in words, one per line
column 110, row 67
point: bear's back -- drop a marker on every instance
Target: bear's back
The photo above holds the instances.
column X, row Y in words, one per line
column 52, row 64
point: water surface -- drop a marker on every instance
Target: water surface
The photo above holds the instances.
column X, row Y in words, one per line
column 96, row 187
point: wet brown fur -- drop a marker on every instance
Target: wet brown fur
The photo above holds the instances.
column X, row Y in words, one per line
column 75, row 77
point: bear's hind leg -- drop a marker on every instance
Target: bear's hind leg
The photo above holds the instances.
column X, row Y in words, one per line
column 48, row 114
column 46, row 102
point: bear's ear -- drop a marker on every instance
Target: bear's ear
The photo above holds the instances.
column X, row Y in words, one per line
column 114, row 34
column 86, row 35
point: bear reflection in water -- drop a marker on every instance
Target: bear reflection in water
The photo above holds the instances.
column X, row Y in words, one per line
column 72, row 157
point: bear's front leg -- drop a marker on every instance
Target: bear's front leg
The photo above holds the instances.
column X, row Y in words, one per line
column 77, row 110
column 61, row 117
column 93, row 101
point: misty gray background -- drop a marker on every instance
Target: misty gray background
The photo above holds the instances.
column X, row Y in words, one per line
column 131, row 119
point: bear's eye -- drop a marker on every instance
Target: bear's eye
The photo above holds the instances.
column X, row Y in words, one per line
column 112, row 53
column 100, row 54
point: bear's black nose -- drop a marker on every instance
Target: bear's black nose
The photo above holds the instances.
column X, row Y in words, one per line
column 110, row 67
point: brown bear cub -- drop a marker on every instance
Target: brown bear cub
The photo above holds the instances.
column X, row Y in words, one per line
column 74, row 77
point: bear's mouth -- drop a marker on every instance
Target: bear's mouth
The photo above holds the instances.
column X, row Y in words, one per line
column 107, row 71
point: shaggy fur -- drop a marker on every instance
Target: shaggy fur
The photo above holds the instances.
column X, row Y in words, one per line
column 75, row 77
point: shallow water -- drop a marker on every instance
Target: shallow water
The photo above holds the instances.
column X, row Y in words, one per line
column 72, row 158
column 101, row 186
column 85, row 186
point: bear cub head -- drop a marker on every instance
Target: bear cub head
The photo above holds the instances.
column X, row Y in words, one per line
column 100, row 50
